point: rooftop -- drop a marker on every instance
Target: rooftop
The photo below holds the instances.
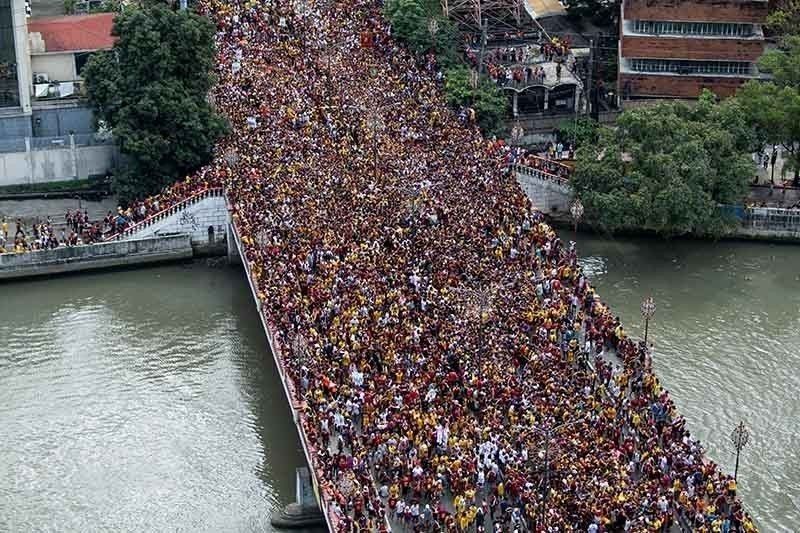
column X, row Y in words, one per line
column 73, row 32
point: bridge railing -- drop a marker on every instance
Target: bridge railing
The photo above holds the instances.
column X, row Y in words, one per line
column 541, row 174
column 296, row 404
column 164, row 213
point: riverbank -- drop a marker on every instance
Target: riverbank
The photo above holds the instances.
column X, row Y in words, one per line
column 564, row 221
column 102, row 256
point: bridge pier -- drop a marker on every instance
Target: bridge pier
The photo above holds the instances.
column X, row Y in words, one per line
column 304, row 512
column 233, row 253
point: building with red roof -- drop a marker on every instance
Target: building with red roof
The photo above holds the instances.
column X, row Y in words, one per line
column 61, row 46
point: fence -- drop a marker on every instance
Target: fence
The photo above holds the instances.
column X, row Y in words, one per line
column 55, row 143
column 765, row 218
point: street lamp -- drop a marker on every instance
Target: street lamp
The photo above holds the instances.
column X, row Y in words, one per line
column 648, row 310
column 577, row 212
column 231, row 158
column 548, row 433
column 740, row 436
column 300, row 348
column 262, row 239
column 375, row 124
column 517, row 132
column 474, row 78
column 433, row 29
column 302, row 9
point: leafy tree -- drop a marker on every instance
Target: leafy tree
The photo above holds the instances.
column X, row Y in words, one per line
column 773, row 113
column 151, row 90
column 600, row 12
column 783, row 63
column 785, row 18
column 669, row 178
column 486, row 99
column 580, row 131
column 410, row 21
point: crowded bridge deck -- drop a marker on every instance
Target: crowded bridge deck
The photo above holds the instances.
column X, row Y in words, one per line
column 431, row 329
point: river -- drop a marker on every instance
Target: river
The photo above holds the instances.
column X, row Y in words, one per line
column 726, row 333
column 146, row 401
column 140, row 401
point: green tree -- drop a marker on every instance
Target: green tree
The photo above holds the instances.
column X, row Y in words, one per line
column 579, row 131
column 783, row 63
column 773, row 113
column 151, row 90
column 599, row 12
column 785, row 18
column 486, row 99
column 411, row 22
column 666, row 168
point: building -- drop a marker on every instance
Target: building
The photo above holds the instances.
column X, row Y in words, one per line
column 47, row 131
column 41, row 89
column 677, row 48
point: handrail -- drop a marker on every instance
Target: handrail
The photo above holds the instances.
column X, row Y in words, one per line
column 550, row 162
column 546, row 175
column 286, row 380
column 150, row 220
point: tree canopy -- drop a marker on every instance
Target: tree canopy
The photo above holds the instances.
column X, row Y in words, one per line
column 411, row 22
column 670, row 178
column 151, row 90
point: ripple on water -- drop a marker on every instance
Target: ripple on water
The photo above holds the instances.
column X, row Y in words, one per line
column 110, row 423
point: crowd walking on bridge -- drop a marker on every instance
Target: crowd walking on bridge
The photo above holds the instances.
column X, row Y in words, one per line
column 449, row 355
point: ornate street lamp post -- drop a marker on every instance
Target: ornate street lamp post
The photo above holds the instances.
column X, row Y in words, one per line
column 740, row 436
column 231, row 158
column 648, row 310
column 302, row 9
column 577, row 212
column 517, row 133
column 376, row 125
column 433, row 29
column 474, row 79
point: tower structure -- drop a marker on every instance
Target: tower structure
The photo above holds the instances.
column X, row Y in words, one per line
column 497, row 17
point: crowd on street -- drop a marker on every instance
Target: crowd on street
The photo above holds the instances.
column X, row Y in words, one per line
column 451, row 358
column 523, row 64
column 47, row 234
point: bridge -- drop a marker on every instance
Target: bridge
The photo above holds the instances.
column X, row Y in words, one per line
column 425, row 321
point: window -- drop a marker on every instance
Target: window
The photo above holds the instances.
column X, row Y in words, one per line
column 81, row 58
column 722, row 29
column 678, row 66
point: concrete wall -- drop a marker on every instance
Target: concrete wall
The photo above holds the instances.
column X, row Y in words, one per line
column 547, row 196
column 95, row 256
column 697, row 10
column 194, row 220
column 685, row 47
column 41, row 166
column 678, row 86
column 58, row 121
column 58, row 66
column 15, row 126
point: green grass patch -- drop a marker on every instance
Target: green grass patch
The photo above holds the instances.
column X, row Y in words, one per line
column 52, row 186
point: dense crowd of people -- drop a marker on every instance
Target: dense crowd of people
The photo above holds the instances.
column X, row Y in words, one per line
column 46, row 234
column 451, row 357
column 523, row 64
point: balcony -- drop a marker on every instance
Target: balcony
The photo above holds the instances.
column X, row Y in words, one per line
column 58, row 90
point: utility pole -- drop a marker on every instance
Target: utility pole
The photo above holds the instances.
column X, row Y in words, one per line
column 484, row 29
column 588, row 89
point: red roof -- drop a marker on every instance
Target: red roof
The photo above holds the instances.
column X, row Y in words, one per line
column 74, row 32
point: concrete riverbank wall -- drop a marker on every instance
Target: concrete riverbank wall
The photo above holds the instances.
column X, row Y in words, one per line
column 203, row 217
column 553, row 196
column 95, row 257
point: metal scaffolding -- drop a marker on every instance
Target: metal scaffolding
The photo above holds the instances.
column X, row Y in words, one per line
column 496, row 16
